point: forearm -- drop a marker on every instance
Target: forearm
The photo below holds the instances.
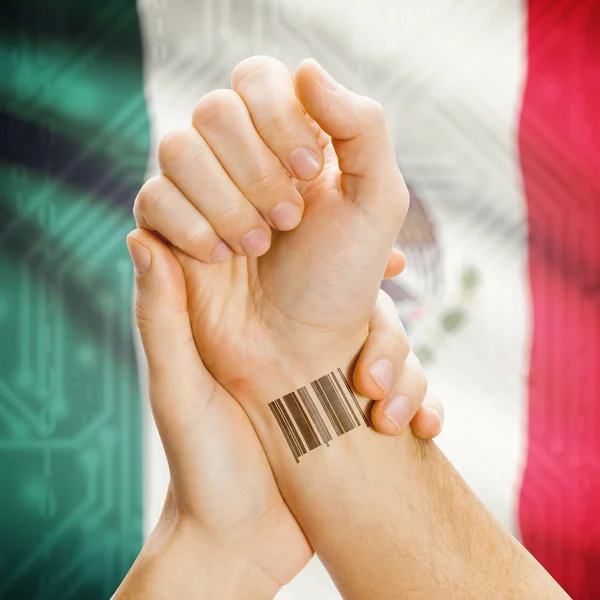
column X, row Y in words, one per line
column 390, row 518
column 179, row 561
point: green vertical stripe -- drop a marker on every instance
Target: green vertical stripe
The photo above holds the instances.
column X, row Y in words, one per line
column 70, row 418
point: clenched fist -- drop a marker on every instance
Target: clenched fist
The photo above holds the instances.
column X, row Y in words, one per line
column 297, row 177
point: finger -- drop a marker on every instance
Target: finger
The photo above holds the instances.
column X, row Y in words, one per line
column 187, row 160
column 323, row 139
column 267, row 88
column 396, row 264
column 393, row 414
column 361, row 138
column 356, row 123
column 223, row 120
column 383, row 355
column 180, row 384
column 161, row 207
column 429, row 419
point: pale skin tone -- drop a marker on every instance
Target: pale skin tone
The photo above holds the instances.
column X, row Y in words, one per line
column 225, row 531
column 212, row 447
column 388, row 516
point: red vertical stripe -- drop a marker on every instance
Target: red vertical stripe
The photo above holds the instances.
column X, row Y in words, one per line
column 559, row 142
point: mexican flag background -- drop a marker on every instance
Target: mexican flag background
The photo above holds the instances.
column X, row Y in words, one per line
column 494, row 109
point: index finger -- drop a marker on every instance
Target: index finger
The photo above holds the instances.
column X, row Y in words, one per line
column 267, row 88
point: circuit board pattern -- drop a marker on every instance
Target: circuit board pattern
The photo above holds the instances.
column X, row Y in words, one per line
column 73, row 153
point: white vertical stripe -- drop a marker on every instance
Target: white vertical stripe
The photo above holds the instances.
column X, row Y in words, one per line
column 450, row 74
column 457, row 107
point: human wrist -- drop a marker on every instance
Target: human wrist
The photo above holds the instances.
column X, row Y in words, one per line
column 224, row 569
column 289, row 365
column 332, row 491
column 341, row 431
column 181, row 560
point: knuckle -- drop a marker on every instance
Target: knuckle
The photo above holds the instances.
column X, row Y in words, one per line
column 196, row 240
column 146, row 198
column 420, row 382
column 262, row 179
column 218, row 105
column 228, row 215
column 171, row 146
column 375, row 110
column 277, row 122
column 251, row 69
column 401, row 343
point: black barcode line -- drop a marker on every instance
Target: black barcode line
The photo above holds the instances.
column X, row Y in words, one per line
column 314, row 415
column 358, row 406
column 293, row 430
column 302, row 423
column 283, row 427
column 320, row 393
column 337, row 403
column 346, row 401
column 301, row 418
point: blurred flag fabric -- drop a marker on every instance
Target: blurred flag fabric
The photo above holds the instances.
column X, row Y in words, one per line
column 74, row 147
column 494, row 109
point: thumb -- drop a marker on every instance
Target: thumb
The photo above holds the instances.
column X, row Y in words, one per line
column 358, row 130
column 179, row 383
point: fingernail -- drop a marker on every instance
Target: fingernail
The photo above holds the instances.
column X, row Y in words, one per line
column 140, row 255
column 305, row 163
column 286, row 216
column 222, row 252
column 256, row 242
column 328, row 81
column 433, row 411
column 382, row 372
column 396, row 410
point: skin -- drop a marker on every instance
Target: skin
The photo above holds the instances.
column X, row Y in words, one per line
column 225, row 530
column 197, row 204
column 266, row 324
column 214, row 442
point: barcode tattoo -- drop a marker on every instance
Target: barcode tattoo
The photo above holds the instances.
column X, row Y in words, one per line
column 301, row 422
